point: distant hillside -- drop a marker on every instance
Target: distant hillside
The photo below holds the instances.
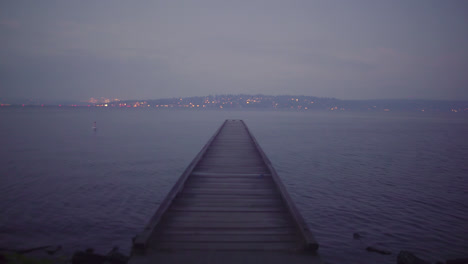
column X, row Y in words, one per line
column 303, row 103
column 268, row 102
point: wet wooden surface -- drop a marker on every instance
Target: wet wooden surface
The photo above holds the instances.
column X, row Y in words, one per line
column 227, row 200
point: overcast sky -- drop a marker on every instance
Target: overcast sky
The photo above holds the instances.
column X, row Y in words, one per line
column 75, row 50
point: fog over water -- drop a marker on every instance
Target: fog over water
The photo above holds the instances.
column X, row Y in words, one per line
column 400, row 180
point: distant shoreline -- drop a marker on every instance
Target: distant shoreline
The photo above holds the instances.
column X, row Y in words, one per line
column 169, row 108
column 265, row 102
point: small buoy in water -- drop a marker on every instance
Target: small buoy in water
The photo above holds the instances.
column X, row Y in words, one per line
column 94, row 125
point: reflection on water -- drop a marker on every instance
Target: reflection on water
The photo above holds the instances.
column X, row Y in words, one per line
column 400, row 181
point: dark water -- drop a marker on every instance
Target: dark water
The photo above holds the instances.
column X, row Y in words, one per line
column 400, row 180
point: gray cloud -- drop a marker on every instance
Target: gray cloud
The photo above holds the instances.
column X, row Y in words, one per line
column 153, row 49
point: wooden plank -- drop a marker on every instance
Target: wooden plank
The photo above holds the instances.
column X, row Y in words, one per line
column 233, row 170
column 220, row 183
column 258, row 179
column 224, row 209
column 233, row 149
column 219, row 193
column 224, row 161
column 233, row 204
column 226, row 192
column 240, row 185
column 234, row 246
column 227, row 181
column 224, row 225
column 233, row 155
column 242, row 158
column 230, row 185
column 231, row 199
column 234, row 146
column 230, row 174
column 236, row 193
column 232, row 238
column 233, row 231
column 234, row 163
column 224, row 196
column 229, row 202
column 234, row 215
column 220, row 217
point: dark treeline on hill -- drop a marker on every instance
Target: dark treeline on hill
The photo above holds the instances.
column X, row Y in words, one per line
column 303, row 103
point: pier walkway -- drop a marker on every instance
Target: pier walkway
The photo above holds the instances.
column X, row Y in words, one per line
column 228, row 206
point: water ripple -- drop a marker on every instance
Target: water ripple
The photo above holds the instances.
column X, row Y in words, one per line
column 400, row 181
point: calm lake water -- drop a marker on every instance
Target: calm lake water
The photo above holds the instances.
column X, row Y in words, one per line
column 400, row 180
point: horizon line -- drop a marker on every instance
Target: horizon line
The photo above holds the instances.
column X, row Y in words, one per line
column 6, row 100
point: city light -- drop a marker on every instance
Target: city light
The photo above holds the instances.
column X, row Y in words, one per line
column 288, row 103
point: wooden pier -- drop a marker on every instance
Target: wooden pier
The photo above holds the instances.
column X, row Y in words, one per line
column 228, row 206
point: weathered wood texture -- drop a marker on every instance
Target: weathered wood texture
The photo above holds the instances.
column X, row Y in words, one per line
column 229, row 198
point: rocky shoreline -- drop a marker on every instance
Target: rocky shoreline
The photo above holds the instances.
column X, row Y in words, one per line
column 54, row 255
column 407, row 257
